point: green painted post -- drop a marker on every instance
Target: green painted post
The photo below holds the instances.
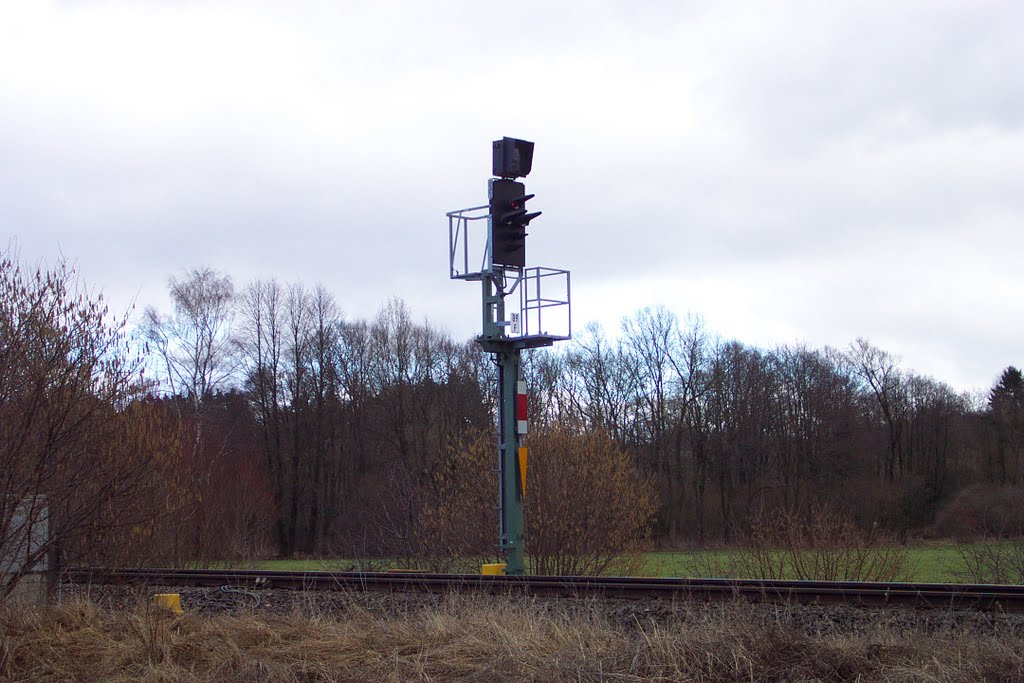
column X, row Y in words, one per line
column 513, row 533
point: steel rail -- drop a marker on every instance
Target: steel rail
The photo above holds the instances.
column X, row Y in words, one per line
column 866, row 594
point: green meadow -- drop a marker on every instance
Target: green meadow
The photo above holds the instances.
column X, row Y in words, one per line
column 925, row 563
column 928, row 564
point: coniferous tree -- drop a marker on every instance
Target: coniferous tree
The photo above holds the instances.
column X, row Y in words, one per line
column 1006, row 403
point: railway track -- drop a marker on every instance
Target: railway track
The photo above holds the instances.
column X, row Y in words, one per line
column 865, row 594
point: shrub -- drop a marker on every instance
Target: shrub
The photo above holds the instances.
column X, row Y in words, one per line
column 992, row 561
column 983, row 510
column 820, row 545
column 588, row 507
column 588, row 504
column 989, row 519
column 77, row 450
column 442, row 518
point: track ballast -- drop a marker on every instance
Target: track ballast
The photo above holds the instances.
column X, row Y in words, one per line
column 867, row 594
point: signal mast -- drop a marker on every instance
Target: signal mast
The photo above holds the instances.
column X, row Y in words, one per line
column 523, row 307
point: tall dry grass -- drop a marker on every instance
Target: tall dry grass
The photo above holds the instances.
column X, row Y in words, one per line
column 469, row 638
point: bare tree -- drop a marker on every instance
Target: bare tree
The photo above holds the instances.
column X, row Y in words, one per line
column 606, row 393
column 879, row 371
column 71, row 448
column 323, row 349
column 692, row 370
column 815, row 411
column 263, row 344
column 195, row 342
column 651, row 339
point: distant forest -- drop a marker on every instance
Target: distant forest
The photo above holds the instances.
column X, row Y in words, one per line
column 259, row 421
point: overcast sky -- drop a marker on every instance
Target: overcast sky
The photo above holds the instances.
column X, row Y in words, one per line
column 790, row 171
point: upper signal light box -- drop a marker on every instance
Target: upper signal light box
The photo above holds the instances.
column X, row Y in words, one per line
column 512, row 158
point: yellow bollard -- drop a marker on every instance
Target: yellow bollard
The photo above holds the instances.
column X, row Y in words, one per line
column 493, row 569
column 171, row 601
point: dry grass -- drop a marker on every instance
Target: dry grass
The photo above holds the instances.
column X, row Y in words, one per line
column 464, row 638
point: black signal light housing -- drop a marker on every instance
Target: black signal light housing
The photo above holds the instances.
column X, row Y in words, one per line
column 509, row 219
column 511, row 158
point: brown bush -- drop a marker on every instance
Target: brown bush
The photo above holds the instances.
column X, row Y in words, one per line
column 444, row 518
column 989, row 520
column 992, row 560
column 983, row 511
column 820, row 545
column 588, row 504
column 457, row 511
column 588, row 507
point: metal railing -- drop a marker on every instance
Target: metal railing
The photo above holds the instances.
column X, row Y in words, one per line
column 464, row 243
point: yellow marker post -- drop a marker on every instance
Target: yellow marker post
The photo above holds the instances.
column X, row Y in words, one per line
column 522, row 468
column 171, row 601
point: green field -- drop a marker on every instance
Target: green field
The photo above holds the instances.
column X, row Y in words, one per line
column 928, row 563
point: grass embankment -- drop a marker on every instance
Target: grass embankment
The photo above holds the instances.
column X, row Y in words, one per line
column 930, row 564
column 462, row 638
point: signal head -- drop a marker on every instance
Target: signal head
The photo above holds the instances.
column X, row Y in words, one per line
column 512, row 158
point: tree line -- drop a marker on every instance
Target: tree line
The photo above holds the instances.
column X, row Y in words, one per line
column 343, row 410
column 260, row 421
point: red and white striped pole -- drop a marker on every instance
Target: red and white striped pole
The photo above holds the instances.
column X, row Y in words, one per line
column 521, row 421
column 521, row 427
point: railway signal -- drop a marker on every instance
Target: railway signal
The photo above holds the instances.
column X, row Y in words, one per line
column 509, row 328
column 509, row 219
